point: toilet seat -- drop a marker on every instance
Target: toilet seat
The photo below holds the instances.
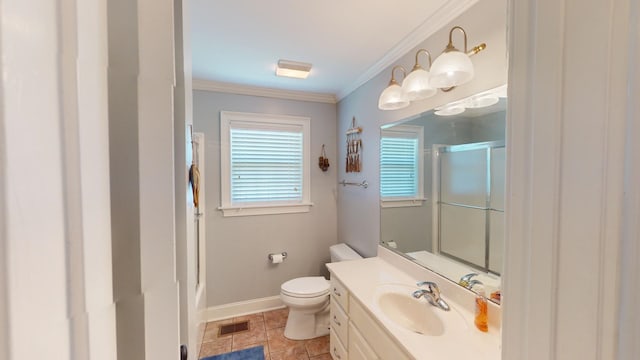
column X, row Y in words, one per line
column 306, row 287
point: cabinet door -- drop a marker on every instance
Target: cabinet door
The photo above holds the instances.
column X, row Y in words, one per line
column 339, row 322
column 358, row 347
column 338, row 352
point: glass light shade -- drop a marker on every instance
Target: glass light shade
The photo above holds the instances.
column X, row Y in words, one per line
column 393, row 98
column 449, row 110
column 477, row 102
column 416, row 85
column 451, row 68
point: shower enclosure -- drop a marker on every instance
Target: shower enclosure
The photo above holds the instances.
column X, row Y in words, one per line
column 468, row 207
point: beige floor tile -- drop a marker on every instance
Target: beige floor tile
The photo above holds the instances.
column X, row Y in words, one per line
column 277, row 341
column 219, row 346
column 321, row 357
column 212, row 329
column 276, row 318
column 256, row 334
column 296, row 352
column 250, row 317
column 317, row 346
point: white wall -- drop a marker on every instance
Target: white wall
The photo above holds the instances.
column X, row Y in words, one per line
column 237, row 247
column 55, row 239
column 358, row 209
column 572, row 202
column 141, row 135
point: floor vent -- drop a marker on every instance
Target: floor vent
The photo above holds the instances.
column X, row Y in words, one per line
column 234, row 328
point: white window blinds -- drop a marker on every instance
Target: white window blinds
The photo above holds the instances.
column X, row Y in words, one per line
column 400, row 163
column 266, row 166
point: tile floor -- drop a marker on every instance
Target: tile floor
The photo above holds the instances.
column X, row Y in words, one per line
column 266, row 329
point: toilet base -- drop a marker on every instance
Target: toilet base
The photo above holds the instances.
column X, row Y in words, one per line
column 304, row 326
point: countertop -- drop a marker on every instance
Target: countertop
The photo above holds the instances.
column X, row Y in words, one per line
column 363, row 277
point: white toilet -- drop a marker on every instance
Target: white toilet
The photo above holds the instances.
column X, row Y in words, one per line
column 308, row 300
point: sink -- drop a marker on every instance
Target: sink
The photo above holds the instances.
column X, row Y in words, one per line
column 416, row 315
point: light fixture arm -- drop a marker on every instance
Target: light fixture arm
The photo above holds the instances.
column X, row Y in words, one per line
column 393, row 79
column 417, row 65
column 450, row 46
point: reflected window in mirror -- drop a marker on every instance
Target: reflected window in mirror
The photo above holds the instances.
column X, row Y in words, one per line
column 401, row 166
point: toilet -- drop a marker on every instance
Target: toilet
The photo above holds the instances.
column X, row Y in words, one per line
column 308, row 300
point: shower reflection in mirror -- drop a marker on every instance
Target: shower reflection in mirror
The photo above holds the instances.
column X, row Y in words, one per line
column 442, row 182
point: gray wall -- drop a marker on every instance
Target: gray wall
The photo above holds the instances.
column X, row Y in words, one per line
column 237, row 247
column 358, row 209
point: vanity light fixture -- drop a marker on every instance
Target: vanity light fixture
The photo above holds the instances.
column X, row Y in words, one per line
column 293, row 69
column 454, row 67
column 393, row 97
column 416, row 85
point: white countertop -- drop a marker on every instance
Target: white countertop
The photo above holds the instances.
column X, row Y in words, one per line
column 362, row 278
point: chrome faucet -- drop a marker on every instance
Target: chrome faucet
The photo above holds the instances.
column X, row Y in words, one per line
column 432, row 294
column 466, row 279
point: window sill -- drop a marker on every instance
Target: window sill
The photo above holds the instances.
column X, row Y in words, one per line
column 253, row 210
column 402, row 203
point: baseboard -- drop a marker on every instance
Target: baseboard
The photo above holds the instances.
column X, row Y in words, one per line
column 241, row 308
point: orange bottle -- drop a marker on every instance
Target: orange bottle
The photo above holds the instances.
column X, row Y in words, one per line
column 481, row 310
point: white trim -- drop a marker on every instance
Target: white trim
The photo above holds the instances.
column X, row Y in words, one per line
column 229, row 119
column 265, row 209
column 402, row 203
column 242, row 308
column 447, row 13
column 238, row 89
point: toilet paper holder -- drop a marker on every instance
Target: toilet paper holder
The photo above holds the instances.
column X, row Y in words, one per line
column 284, row 255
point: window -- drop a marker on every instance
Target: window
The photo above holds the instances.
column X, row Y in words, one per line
column 264, row 164
column 401, row 166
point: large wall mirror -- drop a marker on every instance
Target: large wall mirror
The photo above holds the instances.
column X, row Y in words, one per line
column 442, row 186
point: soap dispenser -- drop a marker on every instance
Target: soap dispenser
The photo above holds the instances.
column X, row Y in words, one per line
column 481, row 317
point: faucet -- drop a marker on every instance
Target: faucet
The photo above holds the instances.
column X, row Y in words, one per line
column 432, row 294
column 466, row 279
column 472, row 283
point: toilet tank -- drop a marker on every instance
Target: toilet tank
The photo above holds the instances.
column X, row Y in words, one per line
column 342, row 252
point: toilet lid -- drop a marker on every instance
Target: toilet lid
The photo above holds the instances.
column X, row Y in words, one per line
column 306, row 286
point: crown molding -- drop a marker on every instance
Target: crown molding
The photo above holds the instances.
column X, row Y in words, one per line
column 216, row 86
column 447, row 13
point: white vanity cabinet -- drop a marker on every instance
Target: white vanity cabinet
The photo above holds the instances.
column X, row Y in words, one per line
column 354, row 334
column 339, row 321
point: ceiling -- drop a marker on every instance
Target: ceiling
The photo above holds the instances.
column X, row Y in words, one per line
column 348, row 42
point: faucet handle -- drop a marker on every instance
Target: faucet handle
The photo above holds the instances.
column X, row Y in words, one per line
column 465, row 279
column 431, row 286
column 472, row 283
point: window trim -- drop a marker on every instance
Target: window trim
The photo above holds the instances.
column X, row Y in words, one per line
column 254, row 120
column 406, row 131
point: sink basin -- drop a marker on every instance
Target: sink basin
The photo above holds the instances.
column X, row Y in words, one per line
column 416, row 315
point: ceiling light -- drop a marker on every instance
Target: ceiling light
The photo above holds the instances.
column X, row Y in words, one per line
column 393, row 97
column 416, row 84
column 293, row 69
column 454, row 67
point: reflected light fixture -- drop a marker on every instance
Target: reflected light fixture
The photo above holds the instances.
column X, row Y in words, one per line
column 454, row 67
column 477, row 102
column 449, row 110
column 293, row 69
column 393, row 97
column 417, row 85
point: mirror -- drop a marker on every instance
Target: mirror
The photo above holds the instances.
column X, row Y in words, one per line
column 442, row 184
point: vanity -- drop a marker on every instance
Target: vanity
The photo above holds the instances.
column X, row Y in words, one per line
column 375, row 316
